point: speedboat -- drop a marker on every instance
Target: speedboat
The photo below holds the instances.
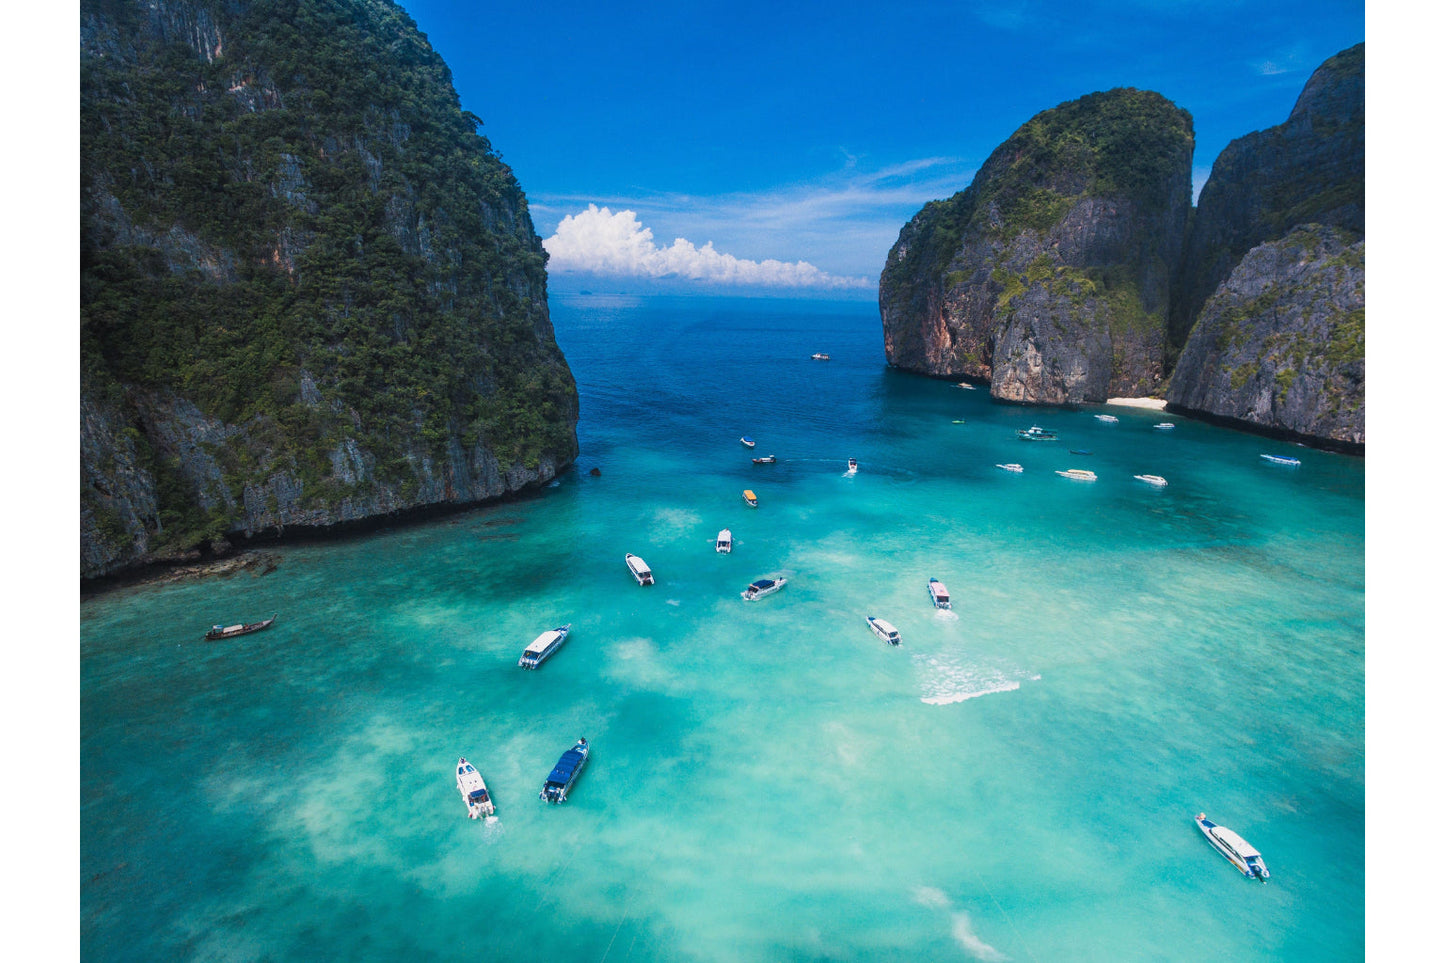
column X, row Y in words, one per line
column 763, row 586
column 1232, row 847
column 820, row 356
column 765, row 460
column 960, row 421
column 1037, row 434
column 1082, row 474
column 852, row 465
column 1011, row 466
column 564, row 774
column 938, row 594
column 1280, row 459
column 639, row 569
column 473, row 790
column 543, row 646
column 965, row 386
column 749, row 497
column 1080, row 451
column 725, row 541
column 884, row 631
column 748, row 442
column 1107, row 419
column 1153, row 479
column 1164, row 426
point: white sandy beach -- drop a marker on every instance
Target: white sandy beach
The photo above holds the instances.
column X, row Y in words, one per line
column 1156, row 403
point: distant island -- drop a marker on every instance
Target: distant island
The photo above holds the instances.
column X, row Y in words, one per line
column 1075, row 268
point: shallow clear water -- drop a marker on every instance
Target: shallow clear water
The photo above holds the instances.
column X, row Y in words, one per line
column 769, row 781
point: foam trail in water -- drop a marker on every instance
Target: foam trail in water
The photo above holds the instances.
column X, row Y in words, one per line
column 962, row 927
column 946, row 681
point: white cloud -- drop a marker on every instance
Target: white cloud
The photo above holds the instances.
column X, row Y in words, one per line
column 600, row 242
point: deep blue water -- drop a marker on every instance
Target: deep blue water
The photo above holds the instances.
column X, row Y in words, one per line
column 769, row 781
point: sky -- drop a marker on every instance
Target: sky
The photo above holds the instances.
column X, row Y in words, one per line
column 787, row 144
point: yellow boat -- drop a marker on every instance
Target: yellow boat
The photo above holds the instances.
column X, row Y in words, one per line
column 750, row 498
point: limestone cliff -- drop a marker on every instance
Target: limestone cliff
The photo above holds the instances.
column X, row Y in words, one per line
column 1281, row 343
column 1049, row 276
column 1308, row 170
column 311, row 292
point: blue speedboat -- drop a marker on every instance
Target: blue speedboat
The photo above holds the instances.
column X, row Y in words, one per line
column 565, row 773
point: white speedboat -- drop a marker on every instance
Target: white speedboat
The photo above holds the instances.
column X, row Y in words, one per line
column 563, row 775
column 1164, row 426
column 543, row 646
column 938, row 594
column 1153, row 480
column 884, row 631
column 1280, row 459
column 763, row 586
column 1082, row 474
column 766, row 460
column 852, row 466
column 1107, row 419
column 1011, row 466
column 748, row 442
column 725, row 541
column 639, row 569
column 821, row 356
column 965, row 386
column 1232, row 847
column 473, row 790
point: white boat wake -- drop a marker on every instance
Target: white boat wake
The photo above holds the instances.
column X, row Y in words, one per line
column 946, row 681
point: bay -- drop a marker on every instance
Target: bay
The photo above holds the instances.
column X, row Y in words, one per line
column 1017, row 780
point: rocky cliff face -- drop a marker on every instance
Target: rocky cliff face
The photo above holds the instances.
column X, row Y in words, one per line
column 1308, row 170
column 1050, row 275
column 1281, row 343
column 311, row 293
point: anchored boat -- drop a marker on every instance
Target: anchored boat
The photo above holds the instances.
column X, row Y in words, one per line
column 1082, row 474
column 1037, row 434
column 560, row 781
column 765, row 460
column 1107, row 419
column 763, row 586
column 543, row 646
column 1164, row 426
column 1232, row 847
column 231, row 631
column 1157, row 480
column 938, row 594
column 725, row 541
column 639, row 569
column 884, row 631
column 748, row 442
column 1011, row 466
column 473, row 790
column 749, row 497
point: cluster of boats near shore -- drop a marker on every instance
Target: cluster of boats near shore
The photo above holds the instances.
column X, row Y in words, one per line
column 1038, row 434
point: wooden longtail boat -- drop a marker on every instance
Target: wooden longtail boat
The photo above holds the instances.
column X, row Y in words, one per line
column 231, row 631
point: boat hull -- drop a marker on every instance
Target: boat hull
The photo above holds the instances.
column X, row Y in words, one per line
column 1225, row 841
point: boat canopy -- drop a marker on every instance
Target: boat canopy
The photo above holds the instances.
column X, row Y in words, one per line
column 565, row 767
column 887, row 629
column 540, row 643
column 1234, row 841
column 762, row 583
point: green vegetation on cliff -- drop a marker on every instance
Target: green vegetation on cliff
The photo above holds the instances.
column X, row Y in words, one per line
column 286, row 191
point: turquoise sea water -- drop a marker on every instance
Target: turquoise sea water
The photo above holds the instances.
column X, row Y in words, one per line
column 769, row 781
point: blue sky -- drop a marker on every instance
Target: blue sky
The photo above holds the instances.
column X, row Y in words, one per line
column 811, row 132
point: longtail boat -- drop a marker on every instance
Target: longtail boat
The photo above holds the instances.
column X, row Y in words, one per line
column 231, row 631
